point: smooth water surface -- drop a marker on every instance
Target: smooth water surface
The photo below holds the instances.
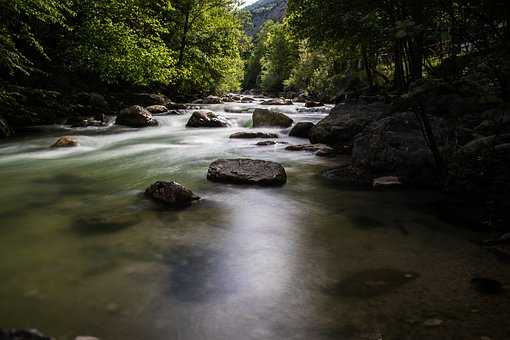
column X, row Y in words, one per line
column 82, row 252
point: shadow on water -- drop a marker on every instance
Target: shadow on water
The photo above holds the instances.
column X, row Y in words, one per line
column 366, row 222
column 370, row 283
column 69, row 184
column 200, row 274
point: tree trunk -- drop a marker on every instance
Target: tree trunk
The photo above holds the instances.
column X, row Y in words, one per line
column 184, row 39
column 399, row 80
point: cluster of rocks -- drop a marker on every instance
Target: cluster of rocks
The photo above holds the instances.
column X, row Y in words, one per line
column 228, row 98
column 230, row 171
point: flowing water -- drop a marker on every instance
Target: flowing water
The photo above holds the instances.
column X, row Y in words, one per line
column 83, row 253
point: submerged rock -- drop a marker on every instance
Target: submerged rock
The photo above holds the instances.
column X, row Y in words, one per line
column 264, row 117
column 65, row 142
column 247, row 171
column 207, row 119
column 136, row 117
column 253, row 135
column 23, row 334
column 302, row 130
column 171, row 194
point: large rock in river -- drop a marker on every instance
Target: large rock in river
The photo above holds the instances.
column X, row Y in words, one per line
column 253, row 135
column 136, row 117
column 302, row 130
column 343, row 123
column 395, row 145
column 263, row 117
column 247, row 171
column 207, row 119
column 171, row 194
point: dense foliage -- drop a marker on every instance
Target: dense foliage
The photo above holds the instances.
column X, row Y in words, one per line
column 369, row 47
column 189, row 45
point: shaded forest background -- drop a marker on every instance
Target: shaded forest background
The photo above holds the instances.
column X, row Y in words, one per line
column 326, row 49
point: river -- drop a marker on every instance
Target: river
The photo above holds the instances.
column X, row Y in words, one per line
column 83, row 253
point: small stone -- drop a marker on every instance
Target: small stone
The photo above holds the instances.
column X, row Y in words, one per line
column 433, row 322
column 409, row 276
column 85, row 337
column 485, row 338
column 112, row 308
column 65, row 142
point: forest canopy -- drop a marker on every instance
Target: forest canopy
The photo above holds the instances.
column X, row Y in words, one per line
column 190, row 45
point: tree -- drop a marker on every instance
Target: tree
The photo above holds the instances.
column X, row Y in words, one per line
column 20, row 44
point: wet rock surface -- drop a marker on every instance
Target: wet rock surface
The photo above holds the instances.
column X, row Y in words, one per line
column 267, row 118
column 136, row 117
column 65, row 142
column 157, row 109
column 207, row 119
column 344, row 123
column 247, row 171
column 302, row 130
column 171, row 194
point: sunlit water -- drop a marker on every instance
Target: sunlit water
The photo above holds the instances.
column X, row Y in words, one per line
column 82, row 252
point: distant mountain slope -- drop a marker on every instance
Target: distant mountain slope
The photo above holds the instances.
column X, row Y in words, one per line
column 264, row 10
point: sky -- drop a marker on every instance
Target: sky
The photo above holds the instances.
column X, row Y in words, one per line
column 249, row 2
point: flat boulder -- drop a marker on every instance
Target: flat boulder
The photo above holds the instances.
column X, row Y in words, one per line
column 157, row 109
column 320, row 149
column 277, row 102
column 135, row 117
column 207, row 119
column 247, row 171
column 264, row 117
column 65, row 142
column 171, row 194
column 253, row 135
column 302, row 130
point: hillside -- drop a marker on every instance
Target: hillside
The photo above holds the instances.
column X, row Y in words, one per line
column 265, row 10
